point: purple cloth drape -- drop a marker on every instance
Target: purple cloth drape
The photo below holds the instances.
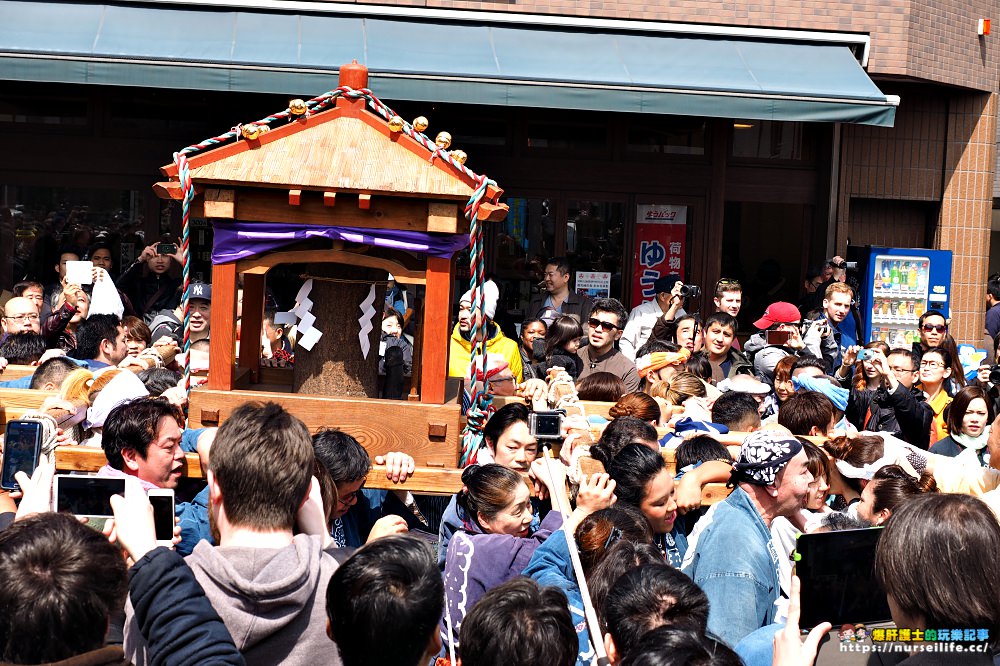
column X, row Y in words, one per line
column 239, row 240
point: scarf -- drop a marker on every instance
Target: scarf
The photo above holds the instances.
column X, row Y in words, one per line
column 974, row 443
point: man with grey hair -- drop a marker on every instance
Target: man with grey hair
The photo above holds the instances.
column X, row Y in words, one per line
column 734, row 558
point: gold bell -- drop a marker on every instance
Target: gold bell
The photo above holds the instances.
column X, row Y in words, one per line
column 443, row 140
column 396, row 124
column 420, row 123
column 459, row 156
column 250, row 132
column 264, row 129
column 297, row 107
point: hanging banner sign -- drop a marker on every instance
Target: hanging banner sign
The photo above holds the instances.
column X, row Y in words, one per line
column 660, row 233
column 593, row 284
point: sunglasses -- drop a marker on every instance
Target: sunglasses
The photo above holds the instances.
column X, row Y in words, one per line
column 726, row 282
column 603, row 325
column 937, row 328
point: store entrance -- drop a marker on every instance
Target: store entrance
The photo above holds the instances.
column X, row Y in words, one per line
column 768, row 248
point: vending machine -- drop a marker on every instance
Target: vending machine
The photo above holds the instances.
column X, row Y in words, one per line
column 897, row 286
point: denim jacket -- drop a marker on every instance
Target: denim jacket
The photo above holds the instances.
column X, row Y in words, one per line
column 735, row 562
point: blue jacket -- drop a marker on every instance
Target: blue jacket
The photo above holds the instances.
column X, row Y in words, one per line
column 174, row 615
column 551, row 566
column 736, row 564
column 194, row 522
column 453, row 519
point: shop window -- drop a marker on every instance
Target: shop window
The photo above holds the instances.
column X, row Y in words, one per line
column 577, row 135
column 671, row 135
column 595, row 239
column 58, row 112
column 45, row 219
column 521, row 245
column 774, row 140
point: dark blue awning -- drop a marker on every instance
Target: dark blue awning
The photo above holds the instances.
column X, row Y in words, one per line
column 203, row 48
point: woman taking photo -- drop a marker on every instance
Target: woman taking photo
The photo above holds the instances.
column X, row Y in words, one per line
column 644, row 482
column 968, row 417
column 935, row 369
column 532, row 337
column 496, row 541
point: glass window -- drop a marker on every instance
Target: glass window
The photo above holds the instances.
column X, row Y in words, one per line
column 64, row 112
column 521, row 245
column 578, row 131
column 675, row 135
column 774, row 140
column 595, row 238
column 46, row 219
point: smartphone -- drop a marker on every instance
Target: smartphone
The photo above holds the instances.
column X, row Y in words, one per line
column 22, row 447
column 776, row 337
column 837, row 571
column 86, row 496
column 162, row 500
column 166, row 248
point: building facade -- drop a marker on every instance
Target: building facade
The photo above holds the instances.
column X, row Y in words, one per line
column 762, row 197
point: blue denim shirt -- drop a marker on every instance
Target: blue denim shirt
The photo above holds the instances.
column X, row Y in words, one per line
column 735, row 563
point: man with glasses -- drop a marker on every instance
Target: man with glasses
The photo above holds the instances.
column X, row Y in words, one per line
column 666, row 304
column 895, row 406
column 20, row 316
column 933, row 329
column 604, row 327
column 558, row 299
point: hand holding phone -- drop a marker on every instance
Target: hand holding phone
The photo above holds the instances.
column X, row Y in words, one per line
column 162, row 501
column 22, row 447
column 36, row 491
column 87, row 497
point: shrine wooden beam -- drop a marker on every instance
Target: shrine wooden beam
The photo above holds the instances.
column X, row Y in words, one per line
column 252, row 323
column 220, row 204
column 442, row 218
column 329, row 199
column 435, row 342
column 365, row 201
column 222, row 343
column 260, row 265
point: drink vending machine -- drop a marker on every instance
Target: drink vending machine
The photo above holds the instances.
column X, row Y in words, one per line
column 897, row 286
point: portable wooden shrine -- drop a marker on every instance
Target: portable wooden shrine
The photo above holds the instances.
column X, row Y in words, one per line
column 344, row 186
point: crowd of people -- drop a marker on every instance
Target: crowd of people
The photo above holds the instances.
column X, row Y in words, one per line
column 284, row 556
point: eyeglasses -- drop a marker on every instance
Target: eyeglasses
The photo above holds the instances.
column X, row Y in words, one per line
column 349, row 498
column 22, row 317
column 931, row 364
column 501, row 380
column 936, row 328
column 899, row 370
column 603, row 325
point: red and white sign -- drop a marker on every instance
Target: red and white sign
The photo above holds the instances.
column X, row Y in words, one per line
column 660, row 233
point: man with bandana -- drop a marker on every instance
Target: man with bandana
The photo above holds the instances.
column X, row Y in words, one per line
column 734, row 558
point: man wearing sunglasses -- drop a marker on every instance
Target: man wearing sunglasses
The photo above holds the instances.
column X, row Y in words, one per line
column 604, row 327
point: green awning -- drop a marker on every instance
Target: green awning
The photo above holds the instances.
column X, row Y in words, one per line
column 203, row 48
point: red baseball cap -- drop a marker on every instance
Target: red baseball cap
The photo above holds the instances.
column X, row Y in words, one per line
column 778, row 313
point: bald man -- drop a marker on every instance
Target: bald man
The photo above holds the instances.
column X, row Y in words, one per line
column 20, row 315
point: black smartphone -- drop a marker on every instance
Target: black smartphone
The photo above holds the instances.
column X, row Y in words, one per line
column 837, row 571
column 166, row 248
column 86, row 496
column 162, row 500
column 22, row 447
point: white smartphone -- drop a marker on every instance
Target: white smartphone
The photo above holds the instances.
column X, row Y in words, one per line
column 162, row 500
column 86, row 496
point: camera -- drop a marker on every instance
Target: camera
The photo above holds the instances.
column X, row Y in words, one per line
column 995, row 375
column 690, row 291
column 546, row 425
column 866, row 354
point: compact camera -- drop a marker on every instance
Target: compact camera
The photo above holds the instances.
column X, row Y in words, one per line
column 546, row 425
column 866, row 354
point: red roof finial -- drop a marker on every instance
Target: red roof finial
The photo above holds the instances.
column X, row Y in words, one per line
column 354, row 75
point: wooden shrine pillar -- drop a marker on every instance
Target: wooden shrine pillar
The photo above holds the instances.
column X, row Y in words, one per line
column 252, row 323
column 222, row 345
column 436, row 332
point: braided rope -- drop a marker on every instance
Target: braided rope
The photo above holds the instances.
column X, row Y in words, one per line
column 481, row 408
column 184, row 174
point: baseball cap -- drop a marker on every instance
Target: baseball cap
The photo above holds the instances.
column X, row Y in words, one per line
column 778, row 313
column 665, row 284
column 201, row 290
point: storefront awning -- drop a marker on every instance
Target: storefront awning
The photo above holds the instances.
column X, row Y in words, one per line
column 413, row 58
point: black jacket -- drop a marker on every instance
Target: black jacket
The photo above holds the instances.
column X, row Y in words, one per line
column 902, row 412
column 174, row 615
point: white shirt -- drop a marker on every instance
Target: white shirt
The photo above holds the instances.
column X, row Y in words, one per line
column 640, row 325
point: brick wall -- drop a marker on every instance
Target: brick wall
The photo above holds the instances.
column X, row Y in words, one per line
column 915, row 39
column 964, row 226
